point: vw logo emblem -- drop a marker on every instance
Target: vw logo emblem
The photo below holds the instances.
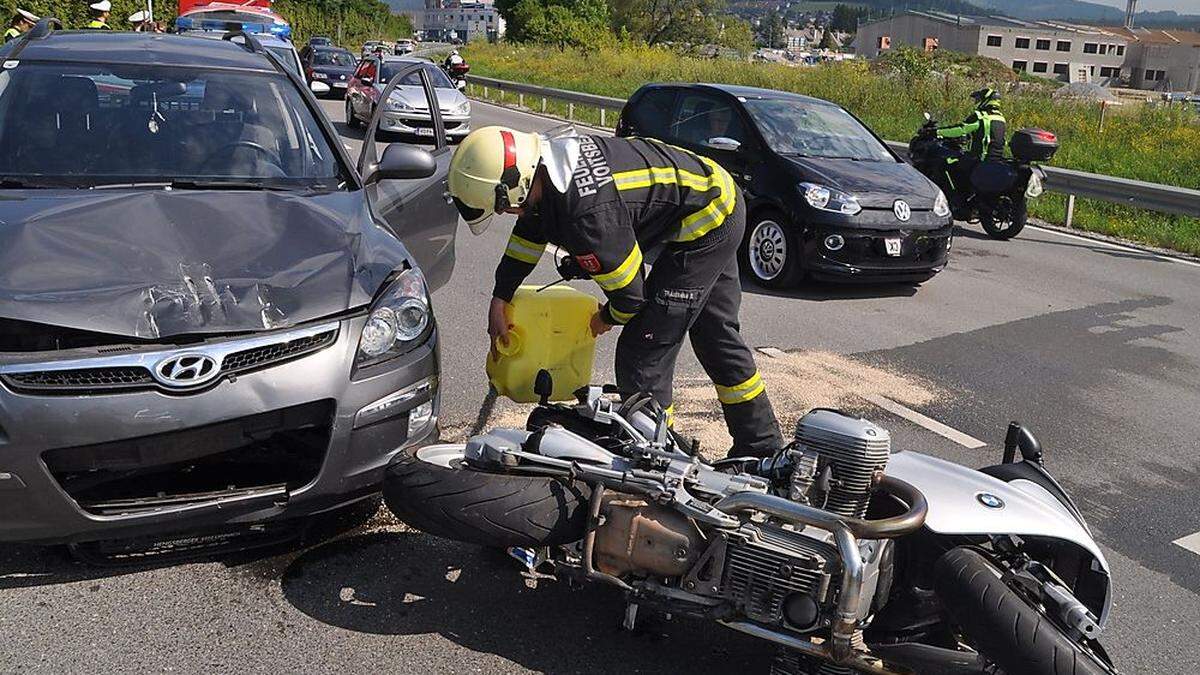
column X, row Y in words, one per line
column 184, row 371
column 990, row 500
column 902, row 210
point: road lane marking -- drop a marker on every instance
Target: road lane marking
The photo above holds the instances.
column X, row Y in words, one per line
column 901, row 411
column 1118, row 247
column 1190, row 542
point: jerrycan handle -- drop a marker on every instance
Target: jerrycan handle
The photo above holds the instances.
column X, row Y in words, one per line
column 510, row 344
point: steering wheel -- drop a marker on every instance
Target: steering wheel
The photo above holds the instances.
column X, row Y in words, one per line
column 220, row 152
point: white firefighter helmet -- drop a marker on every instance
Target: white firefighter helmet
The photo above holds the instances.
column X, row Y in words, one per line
column 492, row 170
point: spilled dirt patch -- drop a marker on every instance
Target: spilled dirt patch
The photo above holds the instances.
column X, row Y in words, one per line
column 796, row 381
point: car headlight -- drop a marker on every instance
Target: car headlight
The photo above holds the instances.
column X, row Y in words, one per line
column 463, row 108
column 941, row 207
column 320, row 76
column 828, row 199
column 1035, row 187
column 399, row 316
column 397, row 104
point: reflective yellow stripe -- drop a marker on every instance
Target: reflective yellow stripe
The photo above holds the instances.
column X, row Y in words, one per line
column 620, row 317
column 710, row 217
column 524, row 250
column 624, row 274
column 670, row 415
column 743, row 392
column 644, row 178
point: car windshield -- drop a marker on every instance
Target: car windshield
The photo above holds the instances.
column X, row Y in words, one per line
column 413, row 79
column 329, row 57
column 802, row 129
column 87, row 125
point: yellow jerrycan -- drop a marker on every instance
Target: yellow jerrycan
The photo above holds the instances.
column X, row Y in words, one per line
column 550, row 331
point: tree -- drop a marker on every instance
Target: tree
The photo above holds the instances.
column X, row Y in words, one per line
column 772, row 31
column 684, row 22
column 562, row 23
column 845, row 18
column 827, row 41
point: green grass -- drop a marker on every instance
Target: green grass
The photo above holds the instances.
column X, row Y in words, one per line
column 1160, row 145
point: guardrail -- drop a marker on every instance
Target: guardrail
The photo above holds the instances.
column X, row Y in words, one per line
column 1126, row 191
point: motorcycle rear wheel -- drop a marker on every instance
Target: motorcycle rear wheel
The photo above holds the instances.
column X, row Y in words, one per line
column 1008, row 228
column 433, row 491
column 1002, row 625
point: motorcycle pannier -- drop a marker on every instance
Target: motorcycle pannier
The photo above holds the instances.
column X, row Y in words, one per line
column 1033, row 145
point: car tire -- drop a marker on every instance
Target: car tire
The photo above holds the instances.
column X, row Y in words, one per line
column 432, row 491
column 771, row 252
column 1003, row 626
column 351, row 120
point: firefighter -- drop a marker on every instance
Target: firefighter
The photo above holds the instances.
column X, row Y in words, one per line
column 604, row 201
column 21, row 22
column 987, row 130
column 99, row 11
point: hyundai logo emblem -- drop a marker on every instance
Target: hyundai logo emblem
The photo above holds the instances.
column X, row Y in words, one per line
column 990, row 500
column 184, row 371
column 902, row 210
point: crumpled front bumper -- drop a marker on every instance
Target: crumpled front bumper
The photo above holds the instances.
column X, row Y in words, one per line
column 365, row 422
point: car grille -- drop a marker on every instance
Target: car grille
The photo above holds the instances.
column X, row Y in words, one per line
column 133, row 377
column 916, row 247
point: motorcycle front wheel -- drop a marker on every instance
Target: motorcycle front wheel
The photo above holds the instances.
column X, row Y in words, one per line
column 1003, row 626
column 1005, row 220
column 434, row 491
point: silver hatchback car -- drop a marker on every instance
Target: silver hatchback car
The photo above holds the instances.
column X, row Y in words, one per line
column 406, row 111
column 208, row 321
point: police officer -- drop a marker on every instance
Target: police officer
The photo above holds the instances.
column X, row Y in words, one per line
column 21, row 22
column 987, row 130
column 140, row 20
column 604, row 201
column 99, row 11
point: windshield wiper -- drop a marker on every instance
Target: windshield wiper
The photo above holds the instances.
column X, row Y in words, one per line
column 194, row 184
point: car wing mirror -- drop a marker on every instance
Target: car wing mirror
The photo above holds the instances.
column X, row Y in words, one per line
column 368, row 81
column 723, row 143
column 402, row 161
column 319, row 87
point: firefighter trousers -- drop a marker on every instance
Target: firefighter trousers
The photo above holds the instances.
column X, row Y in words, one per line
column 694, row 290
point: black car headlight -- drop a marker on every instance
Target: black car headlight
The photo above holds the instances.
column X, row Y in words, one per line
column 399, row 317
column 828, row 199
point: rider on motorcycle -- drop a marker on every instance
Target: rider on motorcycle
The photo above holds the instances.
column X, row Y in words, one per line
column 987, row 130
column 454, row 59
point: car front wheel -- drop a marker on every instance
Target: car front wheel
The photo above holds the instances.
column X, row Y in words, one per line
column 772, row 251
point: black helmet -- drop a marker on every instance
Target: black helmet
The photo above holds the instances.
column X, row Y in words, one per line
column 986, row 98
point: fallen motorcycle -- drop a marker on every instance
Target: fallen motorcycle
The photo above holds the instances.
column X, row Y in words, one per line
column 847, row 555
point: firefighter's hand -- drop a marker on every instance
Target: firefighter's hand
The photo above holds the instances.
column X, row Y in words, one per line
column 498, row 325
column 599, row 325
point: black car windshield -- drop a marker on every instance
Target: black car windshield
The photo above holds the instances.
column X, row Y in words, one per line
column 793, row 127
column 88, row 125
column 329, row 57
column 413, row 79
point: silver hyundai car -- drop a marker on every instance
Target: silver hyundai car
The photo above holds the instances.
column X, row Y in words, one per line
column 210, row 321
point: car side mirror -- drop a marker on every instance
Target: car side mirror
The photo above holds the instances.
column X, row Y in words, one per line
column 1021, row 438
column 402, row 161
column 318, row 87
column 723, row 143
column 366, row 81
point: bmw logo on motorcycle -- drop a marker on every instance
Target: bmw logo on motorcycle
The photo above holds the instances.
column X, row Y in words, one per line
column 990, row 500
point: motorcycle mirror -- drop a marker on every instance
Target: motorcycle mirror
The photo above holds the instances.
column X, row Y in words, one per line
column 1021, row 438
column 928, row 117
column 543, row 385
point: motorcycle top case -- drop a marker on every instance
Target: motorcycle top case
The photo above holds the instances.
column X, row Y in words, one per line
column 550, row 331
column 1033, row 145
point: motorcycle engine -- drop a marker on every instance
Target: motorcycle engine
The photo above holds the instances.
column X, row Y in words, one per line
column 788, row 577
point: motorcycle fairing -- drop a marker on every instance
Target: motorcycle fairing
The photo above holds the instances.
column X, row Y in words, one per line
column 955, row 508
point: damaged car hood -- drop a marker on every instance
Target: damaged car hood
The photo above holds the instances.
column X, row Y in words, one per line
column 151, row 264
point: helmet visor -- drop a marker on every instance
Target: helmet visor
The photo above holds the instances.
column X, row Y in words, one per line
column 477, row 219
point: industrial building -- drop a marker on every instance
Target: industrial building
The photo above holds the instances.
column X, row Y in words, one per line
column 1118, row 57
column 462, row 21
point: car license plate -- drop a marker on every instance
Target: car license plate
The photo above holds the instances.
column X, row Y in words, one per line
column 341, row 85
column 422, row 131
column 892, row 244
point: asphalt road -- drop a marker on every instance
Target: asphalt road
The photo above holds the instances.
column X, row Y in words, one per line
column 1095, row 347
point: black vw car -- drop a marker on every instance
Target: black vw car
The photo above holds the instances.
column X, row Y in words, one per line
column 332, row 65
column 825, row 196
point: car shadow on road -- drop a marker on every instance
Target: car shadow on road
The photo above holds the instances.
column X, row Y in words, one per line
column 820, row 291
column 405, row 583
